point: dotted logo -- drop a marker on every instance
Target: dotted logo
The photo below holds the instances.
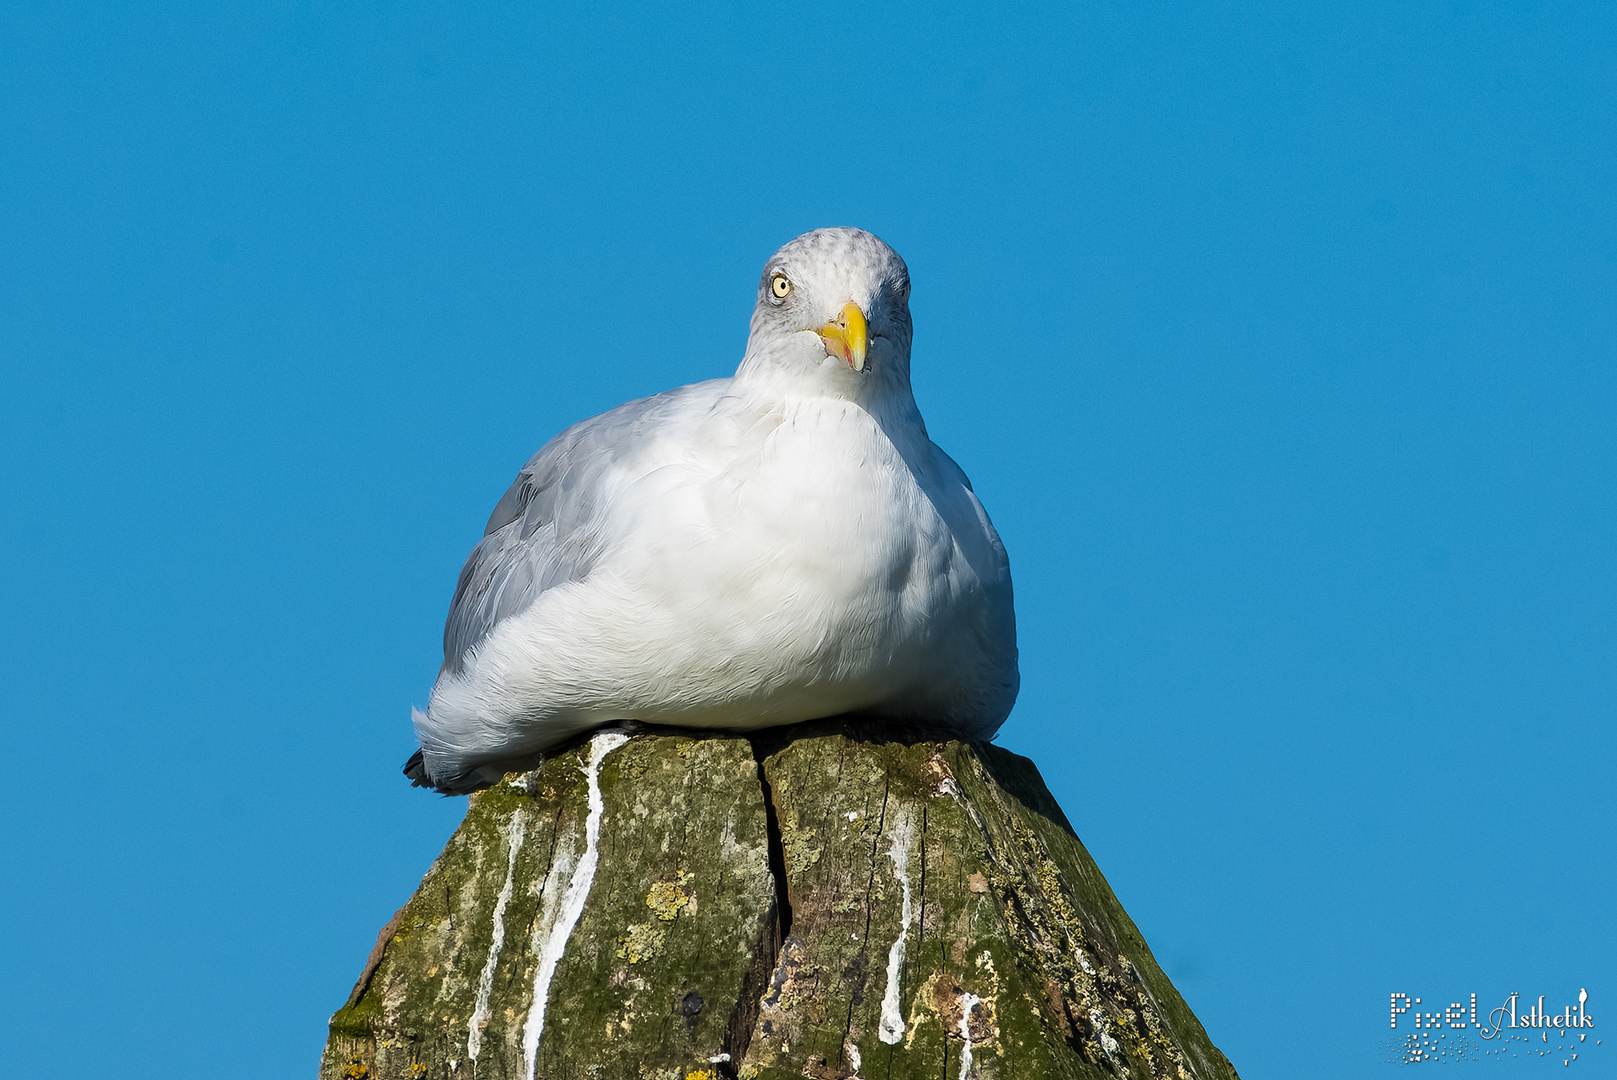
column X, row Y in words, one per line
column 1455, row 1031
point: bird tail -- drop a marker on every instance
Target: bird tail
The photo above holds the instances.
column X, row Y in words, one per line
column 463, row 782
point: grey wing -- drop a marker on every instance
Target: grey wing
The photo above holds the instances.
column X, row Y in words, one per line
column 1000, row 569
column 545, row 530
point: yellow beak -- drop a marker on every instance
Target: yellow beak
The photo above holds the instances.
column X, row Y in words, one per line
column 847, row 336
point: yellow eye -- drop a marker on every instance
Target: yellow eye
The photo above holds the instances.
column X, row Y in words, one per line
column 780, row 286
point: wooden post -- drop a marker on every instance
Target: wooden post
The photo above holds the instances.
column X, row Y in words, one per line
column 827, row 900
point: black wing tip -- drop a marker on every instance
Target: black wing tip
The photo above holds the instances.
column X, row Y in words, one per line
column 416, row 770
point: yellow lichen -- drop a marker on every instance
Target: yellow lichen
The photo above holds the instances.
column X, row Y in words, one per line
column 667, row 898
column 642, row 942
column 802, row 850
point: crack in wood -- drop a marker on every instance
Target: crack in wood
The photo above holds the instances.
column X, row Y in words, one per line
column 773, row 932
column 860, row 964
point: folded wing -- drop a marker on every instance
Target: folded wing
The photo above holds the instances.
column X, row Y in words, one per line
column 548, row 529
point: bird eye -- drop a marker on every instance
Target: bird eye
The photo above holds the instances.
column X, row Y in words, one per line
column 780, row 286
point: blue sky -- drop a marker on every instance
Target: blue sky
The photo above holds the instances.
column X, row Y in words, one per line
column 1277, row 339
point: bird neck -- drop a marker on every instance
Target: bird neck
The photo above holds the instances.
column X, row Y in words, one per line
column 883, row 390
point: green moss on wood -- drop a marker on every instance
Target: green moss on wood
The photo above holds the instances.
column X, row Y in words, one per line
column 683, row 965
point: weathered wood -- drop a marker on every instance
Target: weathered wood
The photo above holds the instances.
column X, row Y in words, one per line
column 816, row 901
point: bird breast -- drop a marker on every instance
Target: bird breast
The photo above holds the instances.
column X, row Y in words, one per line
column 807, row 536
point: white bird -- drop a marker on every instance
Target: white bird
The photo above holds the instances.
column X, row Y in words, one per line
column 779, row 546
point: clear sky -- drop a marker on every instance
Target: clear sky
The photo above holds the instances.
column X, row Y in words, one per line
column 1277, row 339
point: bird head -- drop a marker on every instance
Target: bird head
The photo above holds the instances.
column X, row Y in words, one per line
column 834, row 303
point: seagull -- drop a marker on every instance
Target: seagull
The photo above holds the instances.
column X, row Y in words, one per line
column 783, row 545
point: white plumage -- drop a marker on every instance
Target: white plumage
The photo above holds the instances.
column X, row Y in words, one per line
column 779, row 546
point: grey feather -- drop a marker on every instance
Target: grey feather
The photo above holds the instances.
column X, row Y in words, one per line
column 542, row 532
